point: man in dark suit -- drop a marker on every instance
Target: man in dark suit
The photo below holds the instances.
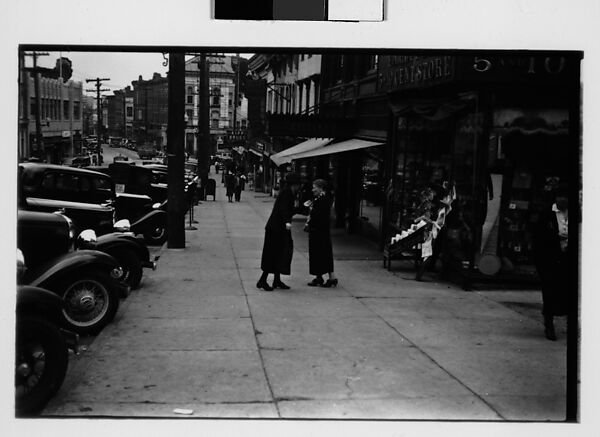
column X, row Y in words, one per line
column 551, row 245
column 278, row 246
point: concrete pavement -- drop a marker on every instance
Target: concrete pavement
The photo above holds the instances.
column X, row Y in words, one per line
column 198, row 335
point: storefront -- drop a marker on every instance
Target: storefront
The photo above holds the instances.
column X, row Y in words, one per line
column 497, row 129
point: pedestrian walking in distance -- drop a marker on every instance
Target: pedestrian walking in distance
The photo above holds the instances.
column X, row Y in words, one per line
column 230, row 185
column 278, row 246
column 320, row 253
column 238, row 186
column 551, row 249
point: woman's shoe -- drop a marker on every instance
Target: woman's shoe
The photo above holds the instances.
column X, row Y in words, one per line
column 330, row 283
column 315, row 282
column 280, row 285
column 264, row 285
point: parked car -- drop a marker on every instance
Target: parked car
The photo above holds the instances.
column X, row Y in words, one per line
column 146, row 151
column 138, row 179
column 89, row 281
column 120, row 158
column 44, row 236
column 41, row 346
column 89, row 199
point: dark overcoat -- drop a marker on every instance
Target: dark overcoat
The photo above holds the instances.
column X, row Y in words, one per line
column 551, row 263
column 320, row 253
column 278, row 246
column 230, row 184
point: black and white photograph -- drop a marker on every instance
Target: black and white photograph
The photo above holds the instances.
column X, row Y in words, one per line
column 296, row 236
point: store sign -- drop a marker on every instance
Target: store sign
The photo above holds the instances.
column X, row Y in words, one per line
column 404, row 72
column 502, row 68
column 397, row 73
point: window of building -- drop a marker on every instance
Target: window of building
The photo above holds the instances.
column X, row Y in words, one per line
column 373, row 60
column 190, row 99
column 302, row 57
column 214, row 123
column 66, row 114
column 32, row 110
column 190, row 115
column 129, row 110
column 216, row 96
column 76, row 110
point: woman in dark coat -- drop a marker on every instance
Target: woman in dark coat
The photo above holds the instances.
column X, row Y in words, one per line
column 230, row 184
column 320, row 253
column 278, row 246
column 551, row 250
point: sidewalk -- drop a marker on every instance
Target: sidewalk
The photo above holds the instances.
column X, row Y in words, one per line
column 199, row 335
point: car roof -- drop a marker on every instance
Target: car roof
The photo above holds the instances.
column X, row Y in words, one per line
column 40, row 167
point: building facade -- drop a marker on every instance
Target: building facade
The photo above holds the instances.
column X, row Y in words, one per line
column 150, row 110
column 290, row 85
column 226, row 103
column 119, row 118
column 60, row 111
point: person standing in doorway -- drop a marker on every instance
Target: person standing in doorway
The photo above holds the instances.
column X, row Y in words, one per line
column 320, row 253
column 551, row 248
column 278, row 246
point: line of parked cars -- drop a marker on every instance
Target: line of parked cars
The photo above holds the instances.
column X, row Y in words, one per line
column 82, row 238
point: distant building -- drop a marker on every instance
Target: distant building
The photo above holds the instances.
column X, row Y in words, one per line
column 60, row 106
column 120, row 113
column 89, row 116
column 150, row 110
column 224, row 78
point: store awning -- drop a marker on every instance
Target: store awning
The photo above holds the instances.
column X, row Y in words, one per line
column 344, row 146
column 286, row 155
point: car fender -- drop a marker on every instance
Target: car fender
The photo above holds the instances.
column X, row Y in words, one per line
column 36, row 300
column 60, row 267
column 154, row 218
column 117, row 240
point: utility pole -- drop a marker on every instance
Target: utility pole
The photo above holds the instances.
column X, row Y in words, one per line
column 176, row 159
column 98, row 103
column 236, row 91
column 38, row 105
column 202, row 152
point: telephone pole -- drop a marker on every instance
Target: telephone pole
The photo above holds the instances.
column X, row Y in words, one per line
column 203, row 142
column 38, row 105
column 176, row 159
column 98, row 103
column 235, row 95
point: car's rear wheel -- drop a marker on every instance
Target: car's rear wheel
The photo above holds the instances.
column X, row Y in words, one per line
column 91, row 302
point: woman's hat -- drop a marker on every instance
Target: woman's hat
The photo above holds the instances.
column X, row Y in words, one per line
column 292, row 179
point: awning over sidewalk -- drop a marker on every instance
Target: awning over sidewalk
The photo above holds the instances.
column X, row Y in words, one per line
column 344, row 146
column 287, row 155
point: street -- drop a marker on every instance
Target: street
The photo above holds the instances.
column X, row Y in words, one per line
column 109, row 154
column 198, row 335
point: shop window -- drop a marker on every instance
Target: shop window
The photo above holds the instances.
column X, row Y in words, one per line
column 372, row 193
column 423, row 159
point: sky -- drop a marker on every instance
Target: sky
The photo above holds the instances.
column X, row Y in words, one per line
column 121, row 67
